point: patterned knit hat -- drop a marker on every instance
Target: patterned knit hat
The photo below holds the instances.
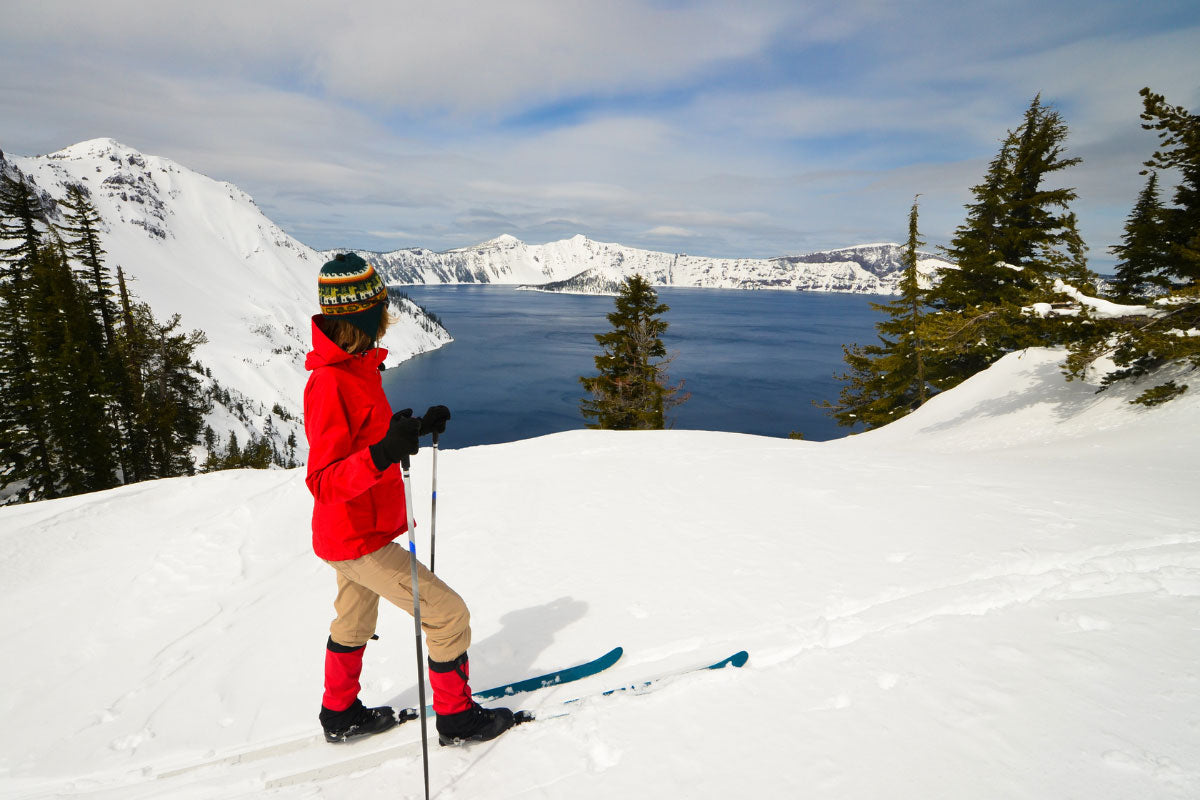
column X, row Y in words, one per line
column 349, row 290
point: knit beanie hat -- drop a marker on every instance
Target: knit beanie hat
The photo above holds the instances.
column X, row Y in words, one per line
column 349, row 289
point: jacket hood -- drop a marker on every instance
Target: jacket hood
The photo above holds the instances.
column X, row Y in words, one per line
column 325, row 353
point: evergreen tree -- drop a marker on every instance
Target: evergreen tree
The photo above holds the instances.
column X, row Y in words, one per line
column 56, row 436
column 233, row 453
column 70, row 364
column 27, row 463
column 887, row 380
column 631, row 391
column 21, row 222
column 1144, row 250
column 81, row 237
column 1018, row 237
column 982, row 275
column 1140, row 347
column 1179, row 148
column 69, row 384
column 1042, row 236
column 132, row 348
column 173, row 404
column 82, row 240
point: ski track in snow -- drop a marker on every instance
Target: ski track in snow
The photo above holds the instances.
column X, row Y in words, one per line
column 1098, row 572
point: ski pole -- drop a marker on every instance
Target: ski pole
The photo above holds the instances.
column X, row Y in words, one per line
column 412, row 552
column 433, row 511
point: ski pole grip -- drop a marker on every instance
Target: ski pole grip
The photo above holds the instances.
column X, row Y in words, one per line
column 404, row 462
column 435, row 438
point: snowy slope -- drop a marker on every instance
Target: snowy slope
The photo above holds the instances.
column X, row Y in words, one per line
column 582, row 265
column 995, row 597
column 201, row 248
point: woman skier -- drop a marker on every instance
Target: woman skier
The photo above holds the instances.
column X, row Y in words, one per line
column 355, row 443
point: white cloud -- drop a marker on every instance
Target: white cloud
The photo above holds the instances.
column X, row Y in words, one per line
column 778, row 127
column 457, row 55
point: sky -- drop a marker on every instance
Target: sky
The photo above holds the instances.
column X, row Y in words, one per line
column 756, row 129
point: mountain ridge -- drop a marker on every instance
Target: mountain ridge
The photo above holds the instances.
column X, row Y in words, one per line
column 583, row 265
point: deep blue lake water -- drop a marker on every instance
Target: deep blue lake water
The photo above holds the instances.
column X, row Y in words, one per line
column 754, row 361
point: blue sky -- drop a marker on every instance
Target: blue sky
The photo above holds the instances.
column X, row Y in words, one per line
column 759, row 128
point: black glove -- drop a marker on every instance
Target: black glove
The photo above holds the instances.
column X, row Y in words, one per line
column 434, row 420
column 400, row 440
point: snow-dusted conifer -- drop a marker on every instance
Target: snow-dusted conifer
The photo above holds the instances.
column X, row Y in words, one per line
column 632, row 392
column 1138, row 347
column 886, row 381
column 1018, row 237
column 81, row 231
column 28, row 468
column 70, row 390
column 1179, row 142
column 1144, row 249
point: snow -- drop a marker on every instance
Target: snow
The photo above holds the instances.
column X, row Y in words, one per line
column 995, row 597
column 1104, row 309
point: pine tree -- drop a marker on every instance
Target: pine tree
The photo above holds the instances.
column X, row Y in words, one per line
column 632, row 392
column 1144, row 250
column 82, row 240
column 1179, row 148
column 1018, row 238
column 132, row 347
column 1139, row 347
column 976, row 249
column 71, row 365
column 173, row 403
column 81, row 237
column 233, row 453
column 27, row 463
column 1017, row 235
column 21, row 222
column 886, row 381
column 70, row 384
column 1042, row 233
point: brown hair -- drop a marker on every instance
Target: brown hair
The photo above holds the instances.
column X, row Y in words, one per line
column 350, row 338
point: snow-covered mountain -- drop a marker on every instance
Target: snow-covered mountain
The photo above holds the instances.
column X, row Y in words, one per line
column 582, row 265
column 198, row 247
column 993, row 598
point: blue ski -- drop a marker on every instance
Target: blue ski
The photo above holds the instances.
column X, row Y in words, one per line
column 566, row 675
column 577, row 672
column 738, row 659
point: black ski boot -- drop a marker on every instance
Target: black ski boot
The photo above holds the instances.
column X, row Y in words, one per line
column 476, row 724
column 356, row 722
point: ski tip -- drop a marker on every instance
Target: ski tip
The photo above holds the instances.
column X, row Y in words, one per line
column 522, row 717
column 406, row 715
column 738, row 659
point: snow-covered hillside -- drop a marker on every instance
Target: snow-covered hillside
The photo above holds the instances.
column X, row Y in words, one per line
column 995, row 597
column 201, row 248
column 582, row 265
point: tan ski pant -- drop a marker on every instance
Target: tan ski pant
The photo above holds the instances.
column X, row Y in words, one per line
column 387, row 573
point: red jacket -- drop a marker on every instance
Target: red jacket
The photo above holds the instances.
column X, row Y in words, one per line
column 358, row 508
